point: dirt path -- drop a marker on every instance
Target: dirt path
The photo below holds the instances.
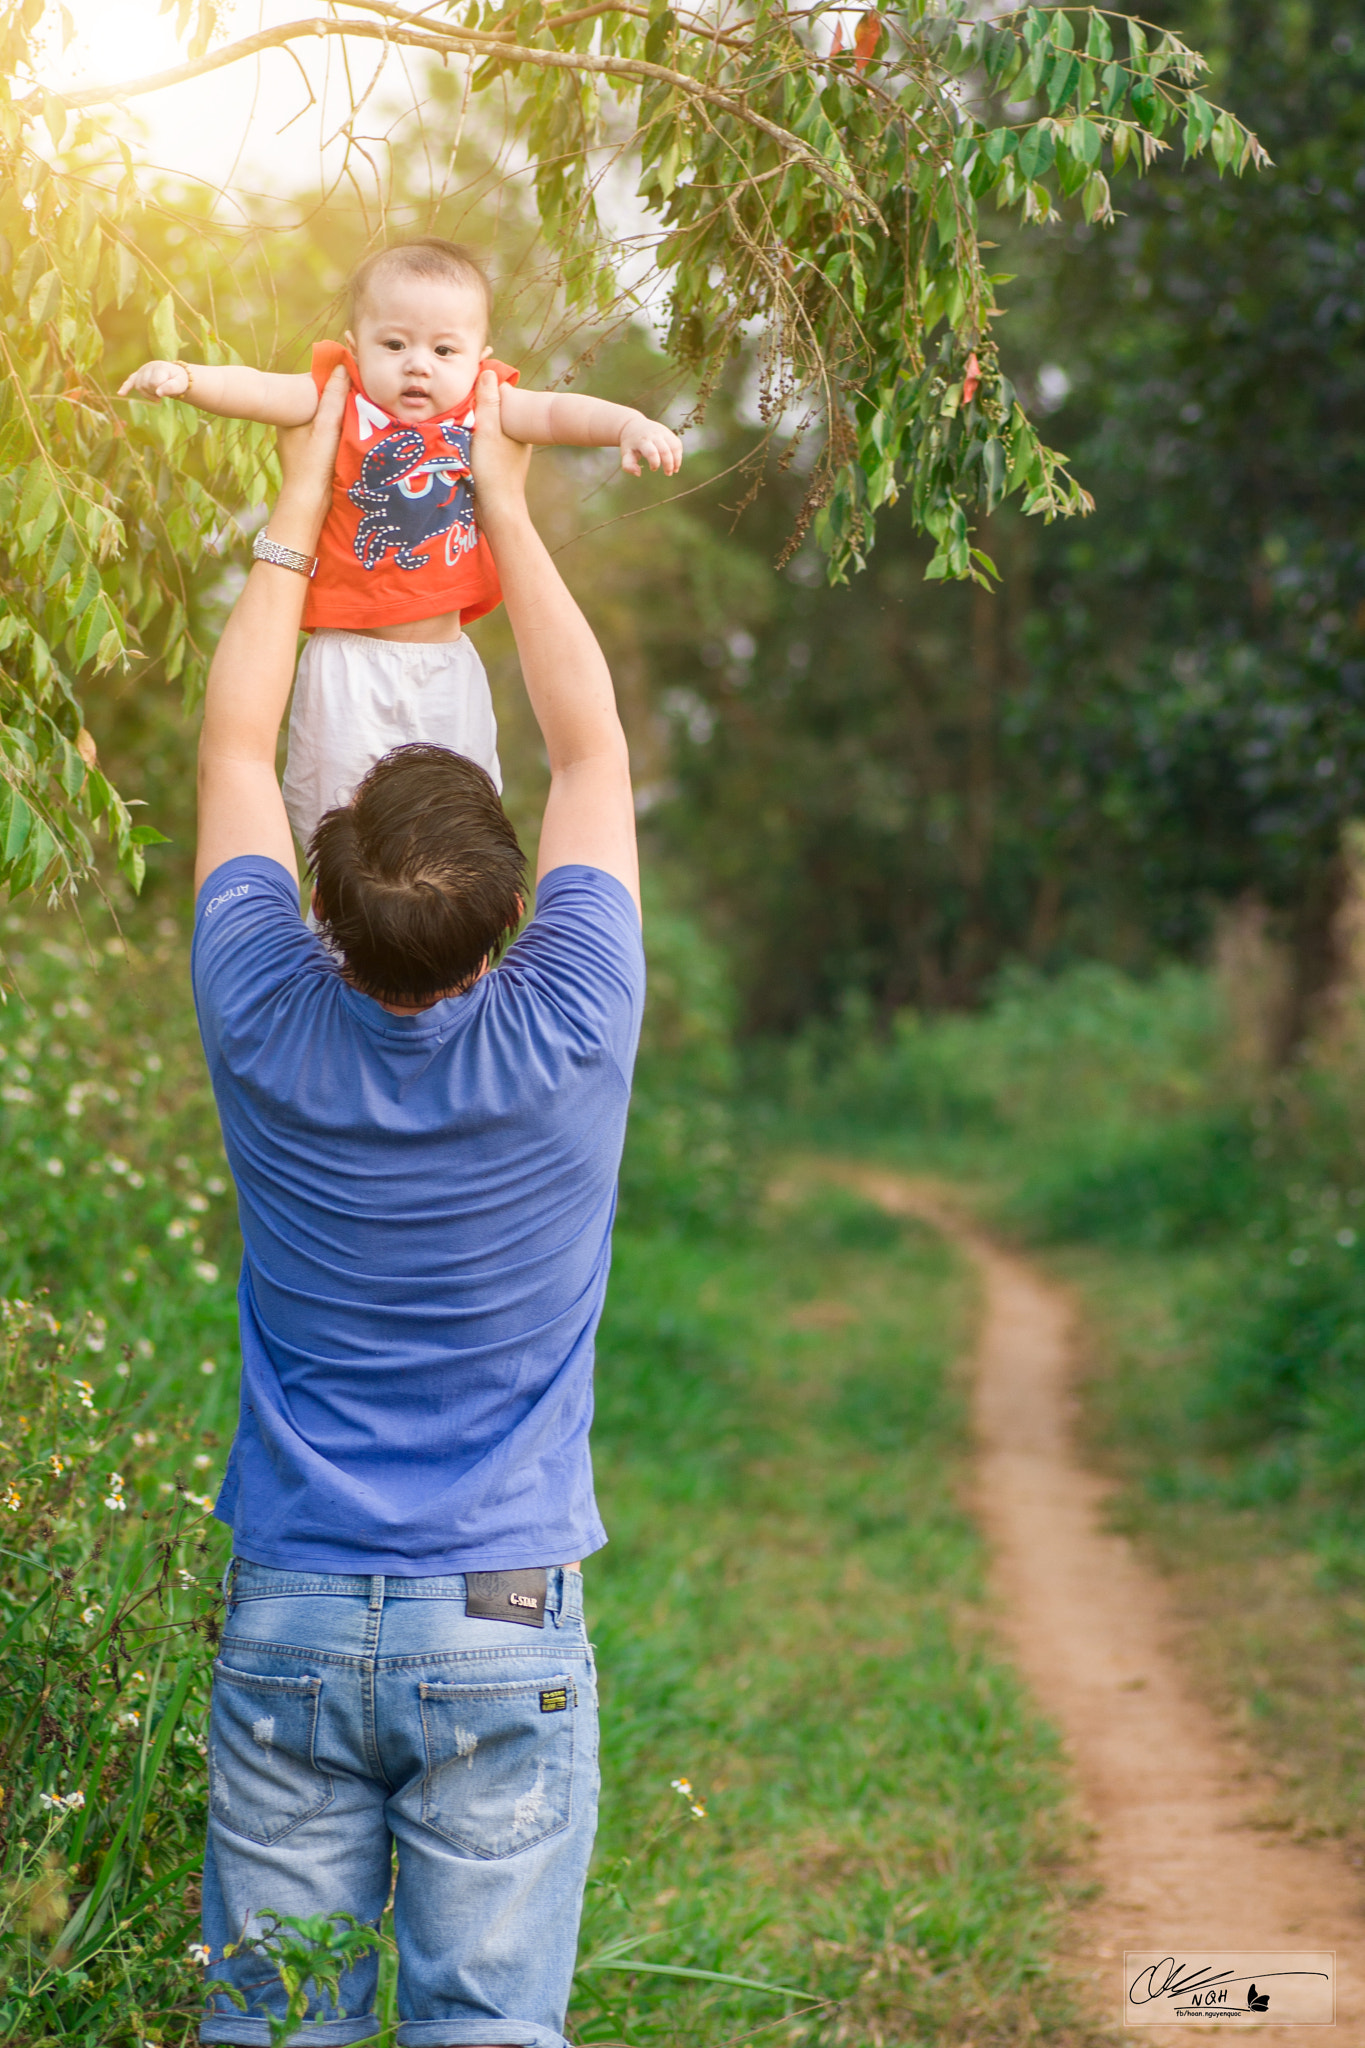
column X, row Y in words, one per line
column 1167, row 1790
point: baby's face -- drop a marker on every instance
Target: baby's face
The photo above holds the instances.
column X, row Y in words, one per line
column 419, row 342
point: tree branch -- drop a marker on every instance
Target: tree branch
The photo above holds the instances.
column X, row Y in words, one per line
column 398, row 28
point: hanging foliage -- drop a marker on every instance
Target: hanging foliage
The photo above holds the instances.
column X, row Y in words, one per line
column 810, row 180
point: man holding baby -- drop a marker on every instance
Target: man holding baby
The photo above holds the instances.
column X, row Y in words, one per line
column 424, row 1117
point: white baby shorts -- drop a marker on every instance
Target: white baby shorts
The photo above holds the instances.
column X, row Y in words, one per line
column 355, row 699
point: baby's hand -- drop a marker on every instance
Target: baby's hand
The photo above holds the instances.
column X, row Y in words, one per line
column 658, row 444
column 155, row 381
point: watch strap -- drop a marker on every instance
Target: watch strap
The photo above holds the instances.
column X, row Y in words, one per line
column 266, row 550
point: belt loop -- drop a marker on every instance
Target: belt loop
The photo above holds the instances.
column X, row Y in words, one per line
column 229, row 1584
column 376, row 1593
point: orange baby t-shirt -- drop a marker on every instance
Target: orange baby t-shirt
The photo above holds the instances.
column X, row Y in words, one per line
column 400, row 542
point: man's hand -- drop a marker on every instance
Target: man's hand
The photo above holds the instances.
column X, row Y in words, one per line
column 499, row 464
column 307, row 458
column 156, row 381
column 651, row 440
column 589, row 816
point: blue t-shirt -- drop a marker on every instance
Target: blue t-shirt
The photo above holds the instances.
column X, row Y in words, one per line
column 426, row 1204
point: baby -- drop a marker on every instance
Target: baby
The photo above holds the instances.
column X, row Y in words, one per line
column 401, row 567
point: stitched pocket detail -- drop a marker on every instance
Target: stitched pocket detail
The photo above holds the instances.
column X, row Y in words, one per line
column 499, row 1762
column 263, row 1778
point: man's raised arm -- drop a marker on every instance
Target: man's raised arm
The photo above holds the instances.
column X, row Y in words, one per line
column 240, row 806
column 590, row 813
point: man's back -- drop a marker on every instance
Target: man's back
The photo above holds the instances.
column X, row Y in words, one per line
column 426, row 1203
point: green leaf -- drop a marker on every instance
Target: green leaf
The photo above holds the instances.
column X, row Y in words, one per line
column 993, row 470
column 54, row 116
column 126, row 271
column 704, row 1976
column 1063, row 35
column 1071, row 169
column 18, row 826
column 1199, row 123
column 165, row 338
column 1099, row 44
column 1037, row 150
column 1066, row 70
column 659, row 36
column 1095, row 200
column 1226, row 140
column 1003, row 55
column 45, row 297
column 1084, row 139
column 1147, row 104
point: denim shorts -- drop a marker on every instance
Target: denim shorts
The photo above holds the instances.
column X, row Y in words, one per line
column 355, row 1716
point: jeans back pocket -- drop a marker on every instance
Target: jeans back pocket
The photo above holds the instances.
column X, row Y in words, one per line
column 499, row 1763
column 263, row 1779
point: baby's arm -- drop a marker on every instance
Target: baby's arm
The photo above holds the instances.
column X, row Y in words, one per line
column 230, row 389
column 566, row 419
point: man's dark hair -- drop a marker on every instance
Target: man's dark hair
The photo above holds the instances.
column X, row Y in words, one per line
column 420, row 879
column 424, row 256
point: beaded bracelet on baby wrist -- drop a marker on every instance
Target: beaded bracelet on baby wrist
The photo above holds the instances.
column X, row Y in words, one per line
column 188, row 391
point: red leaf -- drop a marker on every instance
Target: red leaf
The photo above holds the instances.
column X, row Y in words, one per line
column 866, row 41
column 971, row 380
column 837, row 45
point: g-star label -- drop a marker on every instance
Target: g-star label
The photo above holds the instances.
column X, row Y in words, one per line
column 516, row 1596
column 554, row 1700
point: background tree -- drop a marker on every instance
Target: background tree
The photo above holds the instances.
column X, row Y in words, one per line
column 824, row 196
column 1197, row 659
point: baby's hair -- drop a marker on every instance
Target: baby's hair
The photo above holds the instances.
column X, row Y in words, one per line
column 426, row 256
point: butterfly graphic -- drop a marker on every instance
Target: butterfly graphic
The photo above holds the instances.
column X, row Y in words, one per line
column 1257, row 2001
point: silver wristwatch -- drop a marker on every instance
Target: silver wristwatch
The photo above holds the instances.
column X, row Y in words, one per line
column 267, row 550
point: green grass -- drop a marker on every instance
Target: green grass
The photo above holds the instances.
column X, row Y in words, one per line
column 1265, row 1571
column 1211, row 1218
column 788, row 1615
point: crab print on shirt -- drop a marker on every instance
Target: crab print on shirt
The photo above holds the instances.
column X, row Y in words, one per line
column 401, row 542
column 409, row 498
